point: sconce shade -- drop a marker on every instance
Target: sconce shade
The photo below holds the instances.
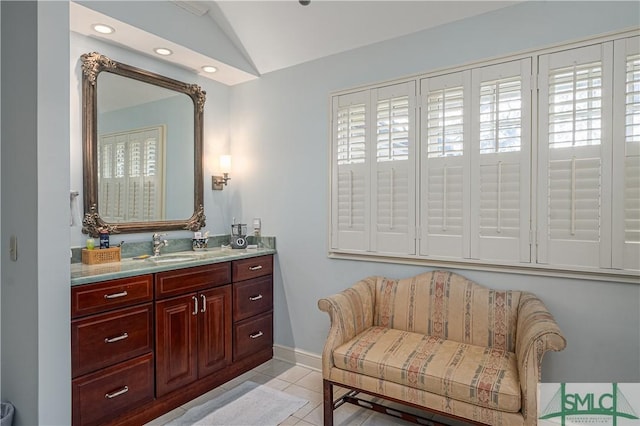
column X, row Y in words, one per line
column 219, row 182
column 225, row 163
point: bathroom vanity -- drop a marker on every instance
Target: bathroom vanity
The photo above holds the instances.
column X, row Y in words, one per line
column 148, row 336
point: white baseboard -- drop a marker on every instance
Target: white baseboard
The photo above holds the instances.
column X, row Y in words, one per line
column 298, row 357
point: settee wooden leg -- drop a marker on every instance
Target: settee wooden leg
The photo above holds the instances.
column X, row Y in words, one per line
column 327, row 402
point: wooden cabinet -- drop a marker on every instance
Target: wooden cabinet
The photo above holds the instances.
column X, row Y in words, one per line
column 252, row 306
column 193, row 330
column 111, row 347
column 144, row 345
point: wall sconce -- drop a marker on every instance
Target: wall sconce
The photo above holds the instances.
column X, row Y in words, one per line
column 218, row 182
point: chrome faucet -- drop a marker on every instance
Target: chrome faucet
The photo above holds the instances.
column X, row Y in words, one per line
column 158, row 243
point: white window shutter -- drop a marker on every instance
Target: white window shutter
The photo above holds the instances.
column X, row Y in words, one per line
column 131, row 175
column 393, row 170
column 626, row 155
column 500, row 162
column 444, row 165
column 574, row 176
column 350, row 202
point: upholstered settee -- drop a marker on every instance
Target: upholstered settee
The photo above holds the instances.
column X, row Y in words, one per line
column 440, row 343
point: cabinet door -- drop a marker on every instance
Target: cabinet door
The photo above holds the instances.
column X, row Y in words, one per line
column 214, row 330
column 176, row 342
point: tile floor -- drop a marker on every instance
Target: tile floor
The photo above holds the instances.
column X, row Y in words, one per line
column 304, row 383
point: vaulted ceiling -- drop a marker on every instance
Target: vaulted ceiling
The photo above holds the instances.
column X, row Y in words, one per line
column 245, row 39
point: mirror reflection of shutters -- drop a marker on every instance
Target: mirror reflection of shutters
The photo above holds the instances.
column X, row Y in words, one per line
column 575, row 157
column 626, row 146
column 350, row 204
column 131, row 176
column 500, row 162
column 444, row 166
column 393, row 172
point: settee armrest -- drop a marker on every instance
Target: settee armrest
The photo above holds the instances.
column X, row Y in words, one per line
column 537, row 332
column 351, row 312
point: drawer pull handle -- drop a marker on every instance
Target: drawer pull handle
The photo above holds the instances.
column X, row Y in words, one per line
column 254, row 298
column 115, row 295
column 195, row 307
column 256, row 335
column 204, row 303
column 117, row 393
column 255, row 268
column 116, row 339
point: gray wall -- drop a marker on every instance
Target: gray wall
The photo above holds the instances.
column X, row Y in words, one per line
column 280, row 132
column 35, row 162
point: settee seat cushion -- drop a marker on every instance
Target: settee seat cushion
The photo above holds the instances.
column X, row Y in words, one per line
column 482, row 376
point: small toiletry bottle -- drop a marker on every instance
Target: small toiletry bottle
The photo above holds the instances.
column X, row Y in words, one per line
column 104, row 239
column 90, row 244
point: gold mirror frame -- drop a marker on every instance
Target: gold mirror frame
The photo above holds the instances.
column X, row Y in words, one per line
column 92, row 224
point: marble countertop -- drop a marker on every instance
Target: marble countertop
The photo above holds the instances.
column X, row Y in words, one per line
column 129, row 267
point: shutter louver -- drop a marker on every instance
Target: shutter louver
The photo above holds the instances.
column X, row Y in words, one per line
column 393, row 129
column 444, row 216
column 445, row 122
column 351, row 134
column 500, row 201
column 632, row 160
column 351, row 202
column 445, row 166
column 574, row 199
column 575, row 105
column 575, row 153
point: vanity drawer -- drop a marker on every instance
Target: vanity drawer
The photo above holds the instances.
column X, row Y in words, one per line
column 253, row 267
column 101, row 340
column 252, row 335
column 181, row 281
column 93, row 298
column 100, row 397
column 252, row 297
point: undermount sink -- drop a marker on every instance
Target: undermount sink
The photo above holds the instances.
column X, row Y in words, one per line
column 174, row 258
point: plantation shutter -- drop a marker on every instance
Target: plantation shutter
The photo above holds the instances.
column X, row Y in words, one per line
column 131, row 175
column 626, row 149
column 393, row 171
column 112, row 178
column 575, row 157
column 500, row 162
column 351, row 186
column 145, row 160
column 444, row 165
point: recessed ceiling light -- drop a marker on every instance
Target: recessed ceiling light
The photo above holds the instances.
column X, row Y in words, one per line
column 162, row 51
column 103, row 29
column 209, row 68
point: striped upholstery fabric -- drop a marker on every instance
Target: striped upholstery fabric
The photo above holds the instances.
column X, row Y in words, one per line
column 482, row 376
column 441, row 342
column 449, row 306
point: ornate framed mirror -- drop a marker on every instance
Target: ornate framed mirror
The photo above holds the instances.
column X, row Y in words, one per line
column 142, row 149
